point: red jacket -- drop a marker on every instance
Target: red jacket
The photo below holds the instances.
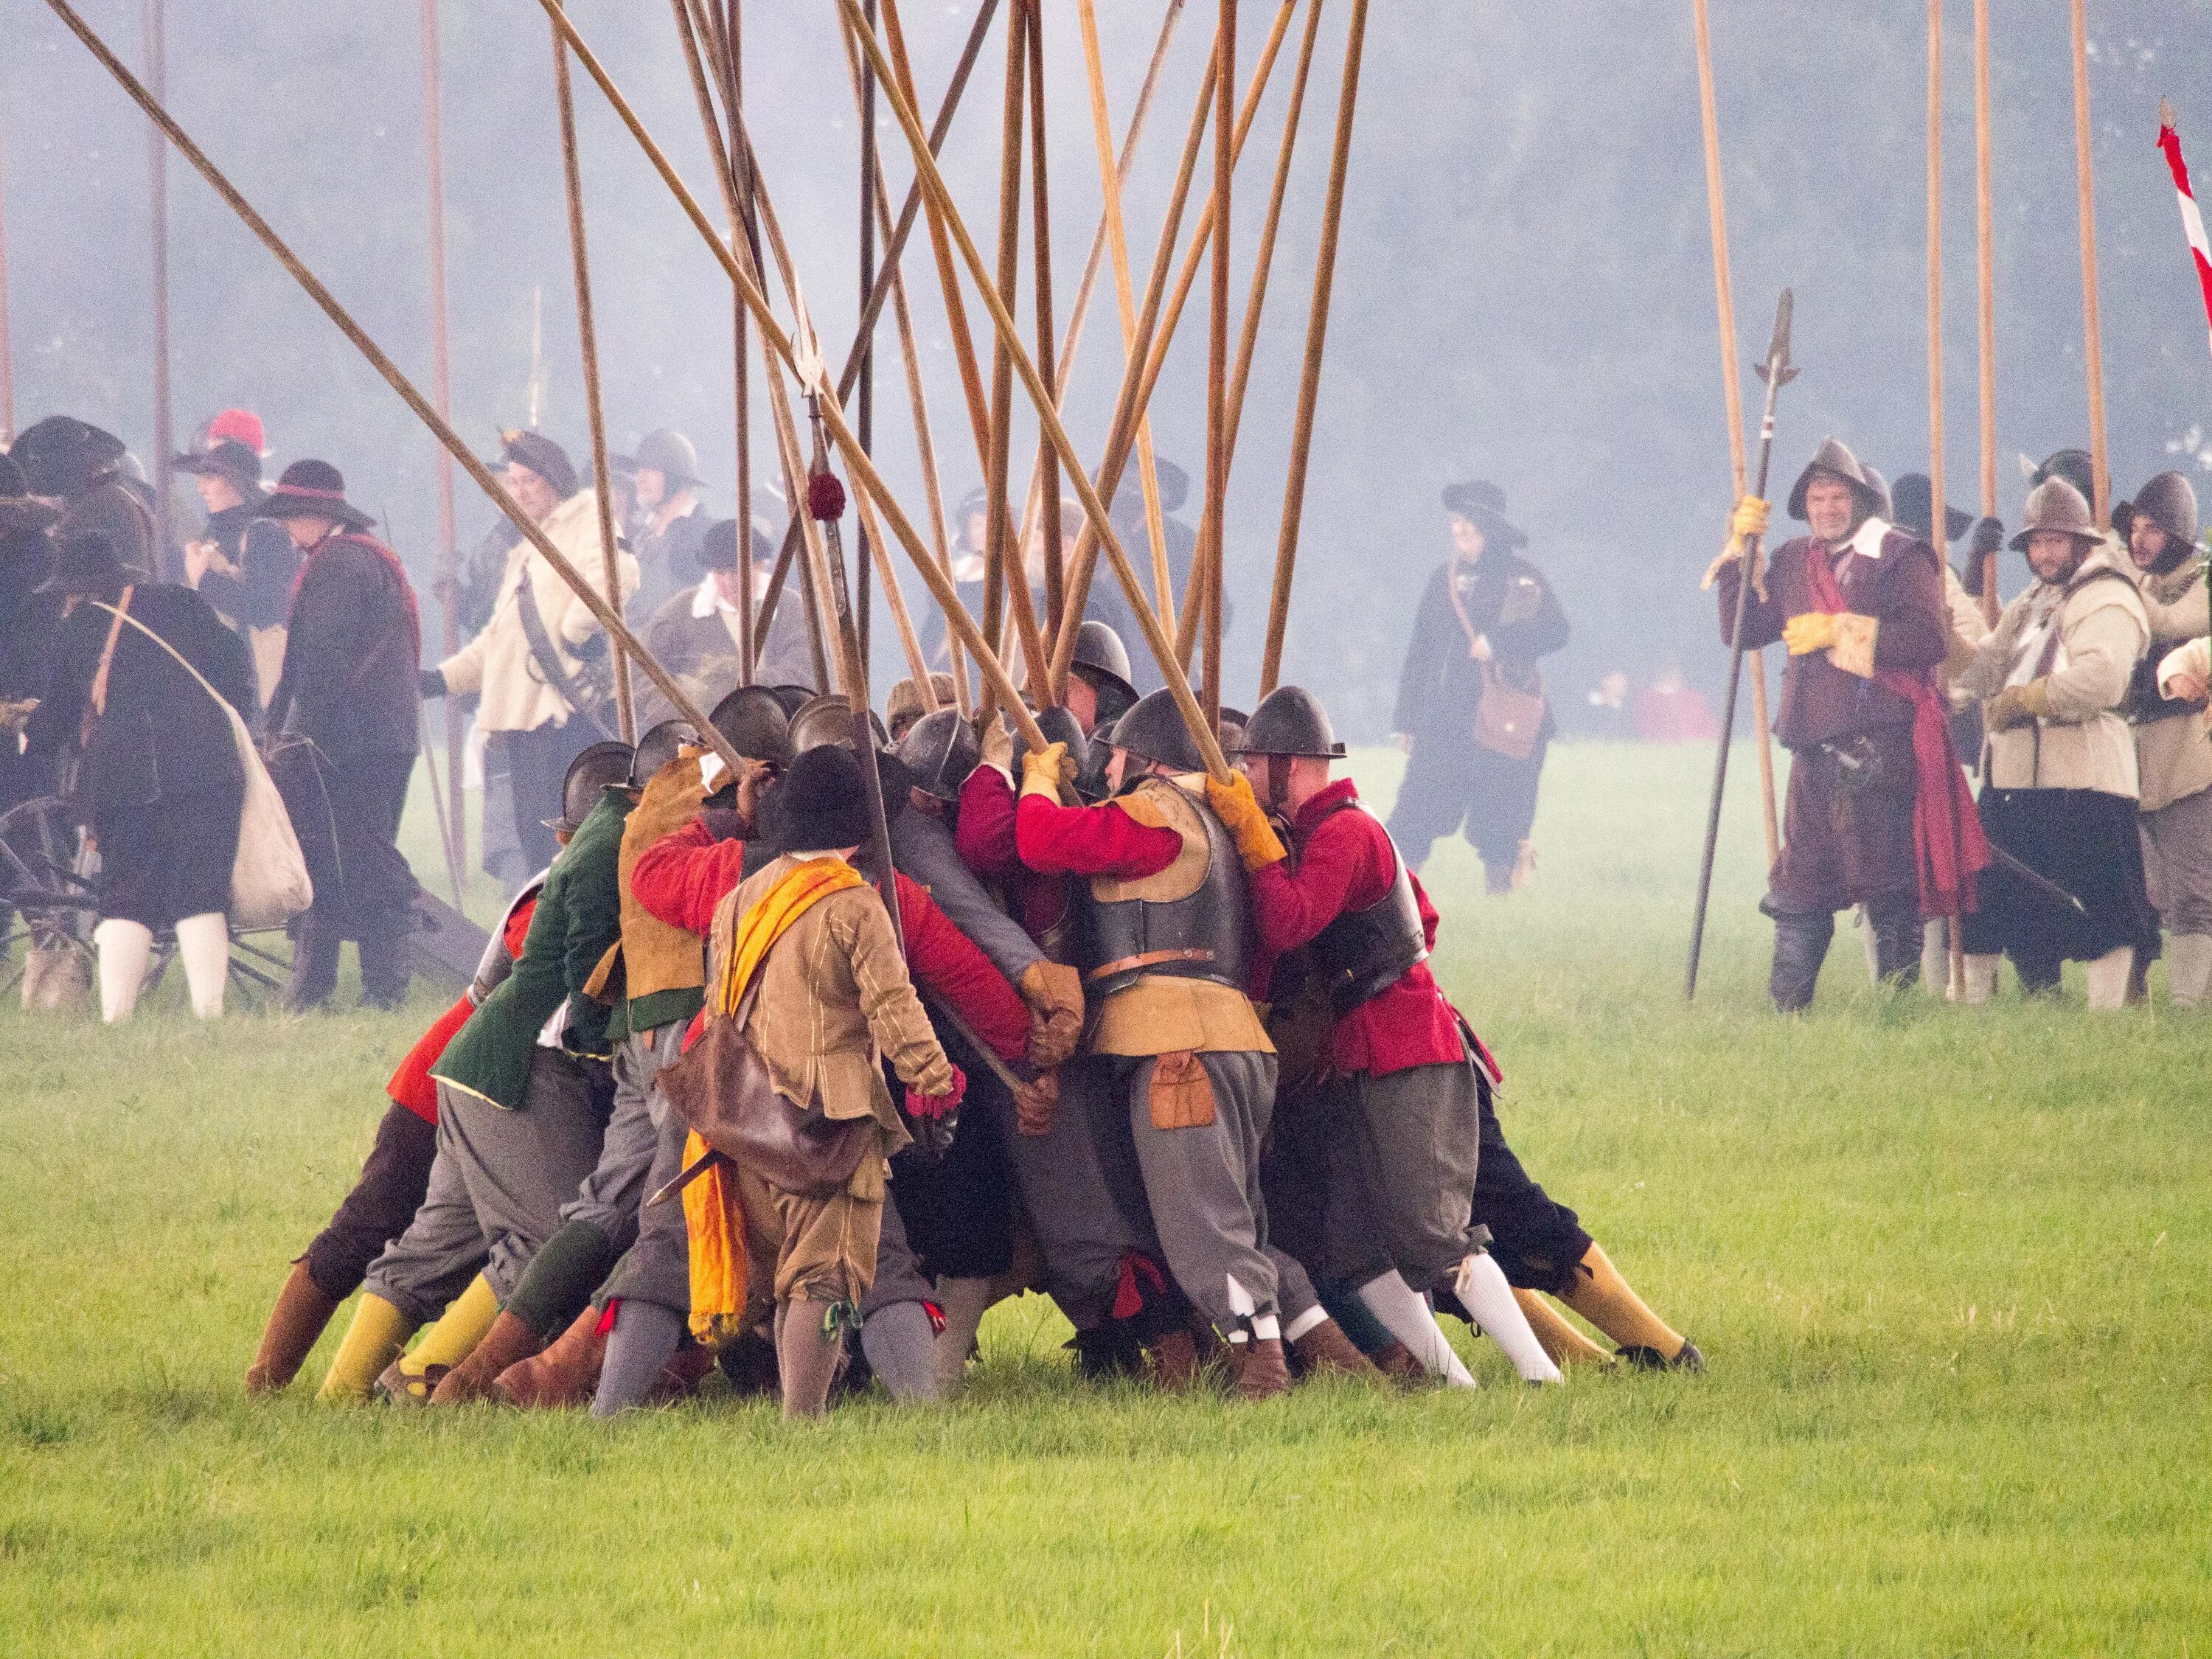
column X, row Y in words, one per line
column 411, row 1085
column 983, row 835
column 1345, row 862
column 683, row 876
column 1090, row 841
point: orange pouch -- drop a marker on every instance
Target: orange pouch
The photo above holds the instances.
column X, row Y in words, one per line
column 1181, row 1093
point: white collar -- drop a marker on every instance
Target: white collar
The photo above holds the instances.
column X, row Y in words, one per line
column 708, row 599
column 1866, row 541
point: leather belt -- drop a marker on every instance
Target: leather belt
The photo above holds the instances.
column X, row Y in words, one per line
column 1149, row 959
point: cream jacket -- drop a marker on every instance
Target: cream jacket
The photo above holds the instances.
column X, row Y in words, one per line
column 2173, row 754
column 2085, row 745
column 497, row 663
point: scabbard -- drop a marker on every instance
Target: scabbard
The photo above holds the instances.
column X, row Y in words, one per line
column 706, row 1161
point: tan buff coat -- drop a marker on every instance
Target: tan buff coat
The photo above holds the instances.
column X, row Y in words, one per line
column 834, row 1003
column 2086, row 745
column 657, row 957
column 2171, row 755
column 497, row 663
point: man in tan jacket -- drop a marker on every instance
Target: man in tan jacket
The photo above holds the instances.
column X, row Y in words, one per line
column 2059, row 763
column 526, row 664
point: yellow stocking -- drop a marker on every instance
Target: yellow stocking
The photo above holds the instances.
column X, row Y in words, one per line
column 1564, row 1344
column 459, row 1329
column 1601, row 1296
column 379, row 1331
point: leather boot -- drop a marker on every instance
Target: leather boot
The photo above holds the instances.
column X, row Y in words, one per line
column 509, row 1342
column 1801, row 944
column 1262, row 1372
column 1396, row 1361
column 681, row 1376
column 564, row 1374
column 1325, row 1348
column 807, row 1359
column 294, row 1322
column 1895, row 921
column 314, row 965
column 384, row 966
column 1174, row 1358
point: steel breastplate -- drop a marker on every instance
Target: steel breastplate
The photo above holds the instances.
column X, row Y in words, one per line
column 1364, row 952
column 1202, row 935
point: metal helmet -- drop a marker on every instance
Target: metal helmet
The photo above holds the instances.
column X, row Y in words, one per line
column 602, row 766
column 1879, row 485
column 1153, row 730
column 2169, row 501
column 1099, row 654
column 829, row 719
column 1090, row 754
column 1230, row 728
column 792, row 698
column 2075, row 465
column 656, row 748
column 2055, row 504
column 670, row 453
column 1290, row 721
column 1838, row 462
column 939, row 749
column 751, row 720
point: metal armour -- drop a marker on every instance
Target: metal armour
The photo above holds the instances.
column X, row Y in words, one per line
column 497, row 963
column 1363, row 953
column 1213, row 917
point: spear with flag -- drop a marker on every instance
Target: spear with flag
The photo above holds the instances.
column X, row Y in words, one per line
column 2192, row 226
column 1777, row 372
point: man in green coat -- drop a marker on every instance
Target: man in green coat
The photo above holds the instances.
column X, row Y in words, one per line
column 524, row 1092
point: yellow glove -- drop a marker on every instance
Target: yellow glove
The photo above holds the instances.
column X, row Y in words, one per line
column 1749, row 518
column 997, row 743
column 2017, row 705
column 1814, row 631
column 1046, row 770
column 1240, row 813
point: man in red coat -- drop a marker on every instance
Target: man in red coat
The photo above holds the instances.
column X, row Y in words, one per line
column 1860, row 606
column 1417, row 1176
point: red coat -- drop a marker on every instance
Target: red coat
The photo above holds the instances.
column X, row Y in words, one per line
column 682, row 878
column 983, row 833
column 1345, row 862
column 411, row 1085
column 1090, row 841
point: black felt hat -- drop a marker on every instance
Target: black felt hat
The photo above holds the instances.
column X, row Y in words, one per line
column 821, row 802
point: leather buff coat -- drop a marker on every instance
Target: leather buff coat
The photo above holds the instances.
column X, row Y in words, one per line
column 2171, row 755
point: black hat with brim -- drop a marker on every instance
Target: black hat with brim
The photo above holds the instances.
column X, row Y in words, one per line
column 1909, row 496
column 541, row 455
column 1482, row 504
column 313, row 489
column 820, row 804
column 228, row 458
column 20, row 510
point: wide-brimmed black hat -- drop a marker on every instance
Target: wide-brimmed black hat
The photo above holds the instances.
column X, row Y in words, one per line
column 20, row 510
column 313, row 489
column 668, row 452
column 541, row 456
column 1482, row 504
column 718, row 546
column 85, row 564
column 64, row 456
column 821, row 802
column 1174, row 482
column 225, row 459
column 1911, row 496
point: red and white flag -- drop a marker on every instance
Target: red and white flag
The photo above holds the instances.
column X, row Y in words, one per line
column 2192, row 222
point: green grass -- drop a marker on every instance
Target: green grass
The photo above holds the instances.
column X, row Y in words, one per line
column 1951, row 1272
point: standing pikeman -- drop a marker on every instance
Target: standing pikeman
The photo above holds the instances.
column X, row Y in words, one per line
column 1860, row 605
column 668, row 520
column 1472, row 716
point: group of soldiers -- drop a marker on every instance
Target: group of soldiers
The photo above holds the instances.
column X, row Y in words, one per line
column 2083, row 708
column 1160, row 1045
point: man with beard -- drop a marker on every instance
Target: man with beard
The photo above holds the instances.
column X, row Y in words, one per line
column 1471, row 716
column 1860, row 606
column 344, row 731
column 667, row 520
column 2174, row 761
column 242, row 564
column 2061, row 784
column 82, row 466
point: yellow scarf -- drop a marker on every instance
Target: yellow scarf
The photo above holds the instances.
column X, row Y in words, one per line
column 711, row 1212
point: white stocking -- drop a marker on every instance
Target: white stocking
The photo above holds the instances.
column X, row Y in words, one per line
column 1401, row 1311
column 1483, row 1291
column 203, row 941
column 1981, row 979
column 2108, row 977
column 125, row 948
column 2189, row 968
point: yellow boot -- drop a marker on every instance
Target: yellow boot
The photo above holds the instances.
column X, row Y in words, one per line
column 379, row 1331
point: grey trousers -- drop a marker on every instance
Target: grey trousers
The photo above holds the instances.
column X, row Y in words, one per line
column 1203, row 1186
column 657, row 1265
column 497, row 1188
column 611, row 1195
column 1414, row 1138
column 898, row 1274
column 2177, row 847
column 1068, row 1194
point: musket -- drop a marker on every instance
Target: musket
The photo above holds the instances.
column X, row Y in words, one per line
column 1777, row 373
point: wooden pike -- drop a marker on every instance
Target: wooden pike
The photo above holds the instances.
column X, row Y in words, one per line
column 1048, row 463
column 1732, row 389
column 7, row 352
column 151, row 15
column 1938, row 510
column 609, row 617
column 588, row 336
column 441, row 390
column 1216, row 354
column 1986, row 287
column 2093, row 336
column 1041, row 397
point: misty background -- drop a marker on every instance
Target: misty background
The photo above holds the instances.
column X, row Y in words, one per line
column 1524, row 291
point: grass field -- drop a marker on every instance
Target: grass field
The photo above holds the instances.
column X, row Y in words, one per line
column 1951, row 1272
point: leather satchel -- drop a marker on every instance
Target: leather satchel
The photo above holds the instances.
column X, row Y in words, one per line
column 723, row 1090
column 1507, row 722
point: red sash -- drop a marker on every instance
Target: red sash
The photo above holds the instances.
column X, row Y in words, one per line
column 1947, row 842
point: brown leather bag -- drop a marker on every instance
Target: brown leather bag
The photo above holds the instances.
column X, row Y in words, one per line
column 1507, row 722
column 723, row 1089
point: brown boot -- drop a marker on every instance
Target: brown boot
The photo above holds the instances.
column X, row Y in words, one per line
column 564, row 1375
column 681, row 1376
column 1325, row 1348
column 509, row 1342
column 1260, row 1370
column 294, row 1322
column 1396, row 1361
column 1175, row 1359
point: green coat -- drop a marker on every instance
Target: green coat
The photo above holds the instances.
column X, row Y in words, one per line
column 578, row 916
